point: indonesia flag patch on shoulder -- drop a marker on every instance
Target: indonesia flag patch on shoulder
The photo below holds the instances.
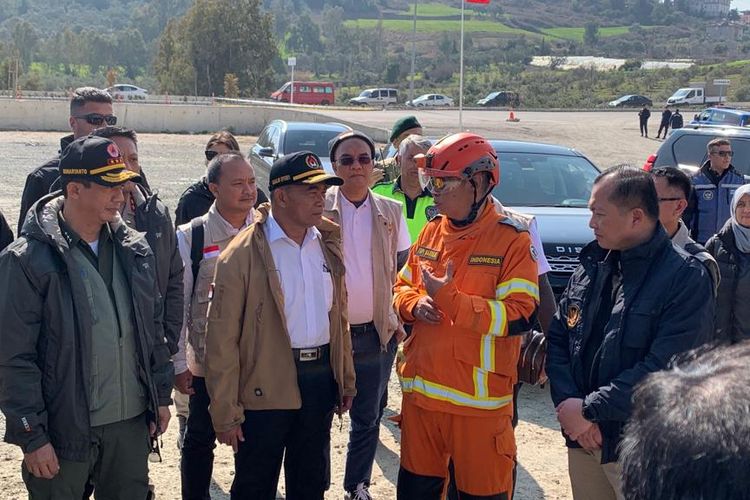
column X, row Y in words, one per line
column 211, row 252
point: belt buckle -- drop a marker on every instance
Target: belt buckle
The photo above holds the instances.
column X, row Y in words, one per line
column 309, row 354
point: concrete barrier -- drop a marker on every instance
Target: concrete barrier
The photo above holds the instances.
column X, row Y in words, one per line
column 52, row 115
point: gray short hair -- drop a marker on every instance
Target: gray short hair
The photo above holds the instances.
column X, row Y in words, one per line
column 420, row 141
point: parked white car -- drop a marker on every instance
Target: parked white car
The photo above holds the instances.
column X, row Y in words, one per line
column 430, row 100
column 127, row 92
column 375, row 97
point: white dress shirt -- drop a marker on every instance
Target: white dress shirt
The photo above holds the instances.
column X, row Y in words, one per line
column 306, row 284
column 356, row 229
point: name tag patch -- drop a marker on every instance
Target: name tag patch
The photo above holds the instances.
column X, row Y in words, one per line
column 486, row 260
column 427, row 253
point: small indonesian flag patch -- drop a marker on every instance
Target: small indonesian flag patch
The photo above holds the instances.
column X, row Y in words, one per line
column 211, row 252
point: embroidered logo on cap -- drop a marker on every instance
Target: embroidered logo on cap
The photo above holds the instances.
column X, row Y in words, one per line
column 113, row 151
column 312, row 162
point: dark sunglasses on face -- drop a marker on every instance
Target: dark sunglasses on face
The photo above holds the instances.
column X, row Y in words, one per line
column 723, row 153
column 211, row 154
column 98, row 119
column 348, row 161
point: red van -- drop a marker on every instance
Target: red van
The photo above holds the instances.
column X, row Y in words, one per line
column 306, row 93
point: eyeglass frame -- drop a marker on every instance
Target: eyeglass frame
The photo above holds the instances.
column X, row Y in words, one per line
column 102, row 119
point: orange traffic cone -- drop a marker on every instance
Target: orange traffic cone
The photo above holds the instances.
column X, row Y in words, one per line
column 512, row 117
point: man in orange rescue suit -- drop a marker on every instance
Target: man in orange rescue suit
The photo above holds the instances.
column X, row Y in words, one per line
column 469, row 284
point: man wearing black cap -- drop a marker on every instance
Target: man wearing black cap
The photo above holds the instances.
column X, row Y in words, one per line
column 375, row 239
column 85, row 367
column 278, row 351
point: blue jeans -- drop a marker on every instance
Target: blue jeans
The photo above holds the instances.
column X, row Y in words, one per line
column 373, row 368
column 197, row 462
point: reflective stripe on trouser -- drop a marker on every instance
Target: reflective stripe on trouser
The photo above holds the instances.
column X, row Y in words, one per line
column 483, row 449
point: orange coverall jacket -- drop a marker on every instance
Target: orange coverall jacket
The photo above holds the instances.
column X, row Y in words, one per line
column 466, row 365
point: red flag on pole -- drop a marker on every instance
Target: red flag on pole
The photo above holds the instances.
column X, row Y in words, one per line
column 478, row 1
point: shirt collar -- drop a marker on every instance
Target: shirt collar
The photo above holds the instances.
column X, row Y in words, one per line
column 682, row 236
column 274, row 232
column 397, row 189
column 225, row 227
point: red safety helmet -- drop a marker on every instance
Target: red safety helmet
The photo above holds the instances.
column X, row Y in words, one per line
column 460, row 155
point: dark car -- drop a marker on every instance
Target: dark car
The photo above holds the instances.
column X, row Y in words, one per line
column 501, row 98
column 280, row 137
column 722, row 117
column 634, row 101
column 686, row 148
column 552, row 183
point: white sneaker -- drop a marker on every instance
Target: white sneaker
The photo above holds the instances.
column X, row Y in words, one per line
column 360, row 493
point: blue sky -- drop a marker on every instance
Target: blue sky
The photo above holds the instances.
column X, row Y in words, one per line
column 741, row 4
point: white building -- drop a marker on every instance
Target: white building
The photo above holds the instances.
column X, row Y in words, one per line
column 709, row 8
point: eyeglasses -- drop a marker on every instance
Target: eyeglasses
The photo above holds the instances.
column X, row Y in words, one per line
column 98, row 119
column 670, row 199
column 348, row 161
column 211, row 154
column 723, row 154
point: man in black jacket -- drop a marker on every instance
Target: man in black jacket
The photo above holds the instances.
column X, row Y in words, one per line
column 633, row 303
column 85, row 368
column 643, row 116
column 666, row 117
column 144, row 212
column 6, row 233
column 90, row 108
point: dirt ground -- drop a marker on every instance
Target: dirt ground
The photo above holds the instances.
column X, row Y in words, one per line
column 173, row 161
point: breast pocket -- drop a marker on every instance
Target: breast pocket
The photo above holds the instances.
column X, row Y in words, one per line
column 637, row 334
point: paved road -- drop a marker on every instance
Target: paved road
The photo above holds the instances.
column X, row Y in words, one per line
column 607, row 138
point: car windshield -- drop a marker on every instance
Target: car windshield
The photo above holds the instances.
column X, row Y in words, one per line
column 539, row 180
column 309, row 140
column 623, row 98
column 681, row 93
column 365, row 93
column 493, row 95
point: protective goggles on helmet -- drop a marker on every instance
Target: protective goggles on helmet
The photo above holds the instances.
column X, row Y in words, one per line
column 434, row 180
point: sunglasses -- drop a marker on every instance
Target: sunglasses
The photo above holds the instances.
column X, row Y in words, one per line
column 723, row 154
column 211, row 154
column 348, row 161
column 670, row 199
column 98, row 119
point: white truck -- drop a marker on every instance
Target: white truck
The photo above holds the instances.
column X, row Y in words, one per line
column 701, row 93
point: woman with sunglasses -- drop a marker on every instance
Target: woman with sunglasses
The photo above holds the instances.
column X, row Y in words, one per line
column 731, row 249
column 197, row 199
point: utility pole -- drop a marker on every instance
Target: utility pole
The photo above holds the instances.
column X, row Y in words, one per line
column 413, row 52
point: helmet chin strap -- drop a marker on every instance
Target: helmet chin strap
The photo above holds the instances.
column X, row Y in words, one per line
column 474, row 206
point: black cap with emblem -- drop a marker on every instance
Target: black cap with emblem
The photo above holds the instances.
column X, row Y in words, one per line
column 303, row 167
column 94, row 159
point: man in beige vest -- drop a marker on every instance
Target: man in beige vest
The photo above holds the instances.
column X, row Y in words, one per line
column 231, row 180
column 374, row 234
column 278, row 350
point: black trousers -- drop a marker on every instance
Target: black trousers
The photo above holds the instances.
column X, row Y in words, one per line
column 197, row 463
column 304, row 434
column 665, row 128
column 644, row 128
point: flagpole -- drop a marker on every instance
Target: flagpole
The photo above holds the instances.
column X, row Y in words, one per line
column 461, row 75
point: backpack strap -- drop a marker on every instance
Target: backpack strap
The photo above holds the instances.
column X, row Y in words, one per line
column 196, row 247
